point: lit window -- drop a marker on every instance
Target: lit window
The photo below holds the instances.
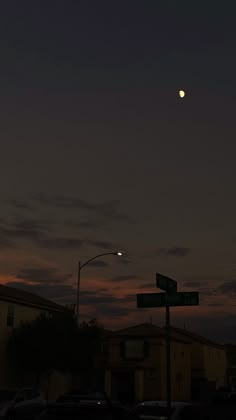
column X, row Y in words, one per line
column 10, row 315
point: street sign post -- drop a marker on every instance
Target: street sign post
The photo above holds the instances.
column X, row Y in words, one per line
column 165, row 283
column 159, row 300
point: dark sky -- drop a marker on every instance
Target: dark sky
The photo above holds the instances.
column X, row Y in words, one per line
column 99, row 153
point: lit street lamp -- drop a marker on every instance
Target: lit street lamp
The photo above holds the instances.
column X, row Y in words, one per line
column 80, row 266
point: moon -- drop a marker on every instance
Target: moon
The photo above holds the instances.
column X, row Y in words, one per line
column 182, row 93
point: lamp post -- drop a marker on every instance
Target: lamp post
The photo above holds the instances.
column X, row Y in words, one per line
column 80, row 266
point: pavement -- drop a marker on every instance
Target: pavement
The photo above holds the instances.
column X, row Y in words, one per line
column 223, row 411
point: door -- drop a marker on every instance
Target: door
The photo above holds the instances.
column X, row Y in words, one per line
column 123, row 386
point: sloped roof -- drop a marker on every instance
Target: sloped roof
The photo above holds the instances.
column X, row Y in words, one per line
column 14, row 295
column 195, row 337
column 147, row 330
column 141, row 329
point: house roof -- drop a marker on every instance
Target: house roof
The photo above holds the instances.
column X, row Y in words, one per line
column 195, row 337
column 231, row 353
column 141, row 329
column 14, row 295
column 147, row 330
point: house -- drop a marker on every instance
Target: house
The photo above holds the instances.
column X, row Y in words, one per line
column 136, row 364
column 231, row 364
column 17, row 306
column 208, row 364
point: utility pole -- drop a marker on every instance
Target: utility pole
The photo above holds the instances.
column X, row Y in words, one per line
column 78, row 293
column 168, row 363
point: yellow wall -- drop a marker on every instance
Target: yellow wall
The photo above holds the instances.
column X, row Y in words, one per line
column 152, row 361
column 150, row 373
column 197, row 356
column 58, row 383
column 215, row 364
column 21, row 314
column 209, row 361
column 180, row 371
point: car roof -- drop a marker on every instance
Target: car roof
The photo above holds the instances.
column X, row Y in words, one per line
column 164, row 403
column 76, row 405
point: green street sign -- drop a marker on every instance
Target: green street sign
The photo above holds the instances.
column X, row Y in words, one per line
column 183, row 299
column 165, row 283
column 155, row 300
column 151, row 300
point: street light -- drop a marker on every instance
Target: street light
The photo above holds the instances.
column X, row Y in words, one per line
column 80, row 266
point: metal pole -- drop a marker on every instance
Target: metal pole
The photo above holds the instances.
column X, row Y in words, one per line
column 168, row 364
column 78, row 293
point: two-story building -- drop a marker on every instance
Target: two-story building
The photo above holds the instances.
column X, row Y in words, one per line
column 136, row 364
column 17, row 306
column 208, row 364
column 231, row 364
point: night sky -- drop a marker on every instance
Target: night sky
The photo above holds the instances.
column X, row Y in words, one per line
column 98, row 153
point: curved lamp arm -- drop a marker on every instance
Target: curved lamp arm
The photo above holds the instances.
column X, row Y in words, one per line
column 98, row 256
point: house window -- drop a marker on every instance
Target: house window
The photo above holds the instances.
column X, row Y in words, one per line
column 10, row 315
column 179, row 377
column 134, row 349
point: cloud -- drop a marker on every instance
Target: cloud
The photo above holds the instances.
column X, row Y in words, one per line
column 60, row 242
column 6, row 243
column 86, row 225
column 24, row 228
column 30, row 224
column 21, row 233
column 91, row 298
column 125, row 278
column 175, row 251
column 107, row 209
column 110, row 311
column 42, row 275
column 99, row 264
column 228, row 288
column 37, row 232
column 147, row 285
column 102, row 244
column 20, row 204
column 102, row 290
column 124, row 260
column 191, row 284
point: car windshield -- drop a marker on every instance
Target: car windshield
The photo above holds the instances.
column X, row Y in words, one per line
column 74, row 413
column 7, row 395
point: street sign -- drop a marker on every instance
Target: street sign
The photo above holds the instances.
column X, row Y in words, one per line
column 154, row 300
column 165, row 283
column 168, row 299
column 151, row 300
column 183, row 299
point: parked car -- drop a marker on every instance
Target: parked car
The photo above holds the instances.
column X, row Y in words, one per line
column 78, row 396
column 84, row 410
column 23, row 403
column 157, row 410
column 224, row 393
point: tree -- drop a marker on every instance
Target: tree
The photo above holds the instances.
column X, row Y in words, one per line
column 91, row 367
column 56, row 343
